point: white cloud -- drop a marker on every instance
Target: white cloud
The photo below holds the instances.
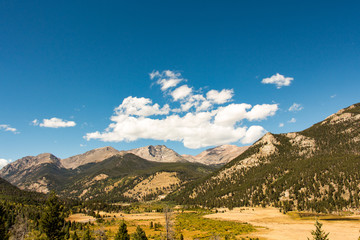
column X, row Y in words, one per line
column 4, row 162
column 293, row 120
column 166, row 79
column 53, row 123
column 141, row 107
column 253, row 134
column 196, row 122
column 333, row 96
column 8, row 128
column 220, row 97
column 296, row 107
column 279, row 80
column 281, row 124
column 181, row 92
column 261, row 112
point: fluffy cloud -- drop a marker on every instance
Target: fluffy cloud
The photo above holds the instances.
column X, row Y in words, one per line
column 199, row 121
column 181, row 92
column 281, row 125
column 7, row 128
column 4, row 162
column 253, row 134
column 166, row 79
column 54, row 123
column 296, row 107
column 141, row 107
column 220, row 97
column 293, row 120
column 279, row 80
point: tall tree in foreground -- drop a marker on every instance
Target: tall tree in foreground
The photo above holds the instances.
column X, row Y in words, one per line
column 168, row 223
column 139, row 234
column 122, row 234
column 52, row 219
column 319, row 234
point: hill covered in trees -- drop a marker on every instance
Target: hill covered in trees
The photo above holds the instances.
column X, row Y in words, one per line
column 315, row 169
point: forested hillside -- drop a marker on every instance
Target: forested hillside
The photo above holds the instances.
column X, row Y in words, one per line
column 316, row 169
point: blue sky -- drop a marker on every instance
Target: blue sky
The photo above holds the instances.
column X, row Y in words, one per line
column 78, row 61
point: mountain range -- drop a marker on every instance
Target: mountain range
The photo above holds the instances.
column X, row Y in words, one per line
column 84, row 172
column 314, row 169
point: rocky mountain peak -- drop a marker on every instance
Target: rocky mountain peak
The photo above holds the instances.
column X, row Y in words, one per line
column 158, row 153
column 92, row 156
column 30, row 162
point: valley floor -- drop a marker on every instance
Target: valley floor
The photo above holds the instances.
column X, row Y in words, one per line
column 273, row 225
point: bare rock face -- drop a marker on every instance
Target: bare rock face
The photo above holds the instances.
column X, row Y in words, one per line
column 218, row 155
column 29, row 162
column 92, row 156
column 159, row 153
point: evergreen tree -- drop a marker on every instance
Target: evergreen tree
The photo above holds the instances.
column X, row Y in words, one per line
column 52, row 219
column 319, row 234
column 122, row 234
column 75, row 236
column 87, row 235
column 139, row 234
column 3, row 232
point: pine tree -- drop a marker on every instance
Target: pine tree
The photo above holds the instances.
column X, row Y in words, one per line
column 52, row 219
column 139, row 234
column 319, row 234
column 122, row 234
column 87, row 235
column 75, row 236
column 3, row 232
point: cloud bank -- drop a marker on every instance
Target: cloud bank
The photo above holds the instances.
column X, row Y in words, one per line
column 54, row 123
column 279, row 80
column 196, row 119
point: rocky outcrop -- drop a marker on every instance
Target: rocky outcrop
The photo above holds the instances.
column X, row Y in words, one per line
column 159, row 153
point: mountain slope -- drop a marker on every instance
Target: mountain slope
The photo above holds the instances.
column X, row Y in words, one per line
column 129, row 178
column 38, row 173
column 14, row 194
column 95, row 155
column 159, row 153
column 218, row 155
column 314, row 169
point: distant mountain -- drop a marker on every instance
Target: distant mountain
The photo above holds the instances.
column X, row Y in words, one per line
column 159, row 153
column 131, row 178
column 121, row 177
column 93, row 156
column 218, row 155
column 38, row 173
column 315, row 169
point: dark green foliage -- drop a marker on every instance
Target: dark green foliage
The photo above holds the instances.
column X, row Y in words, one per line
column 87, row 235
column 139, row 234
column 3, row 230
column 122, row 233
column 75, row 236
column 52, row 218
column 11, row 193
column 318, row 233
